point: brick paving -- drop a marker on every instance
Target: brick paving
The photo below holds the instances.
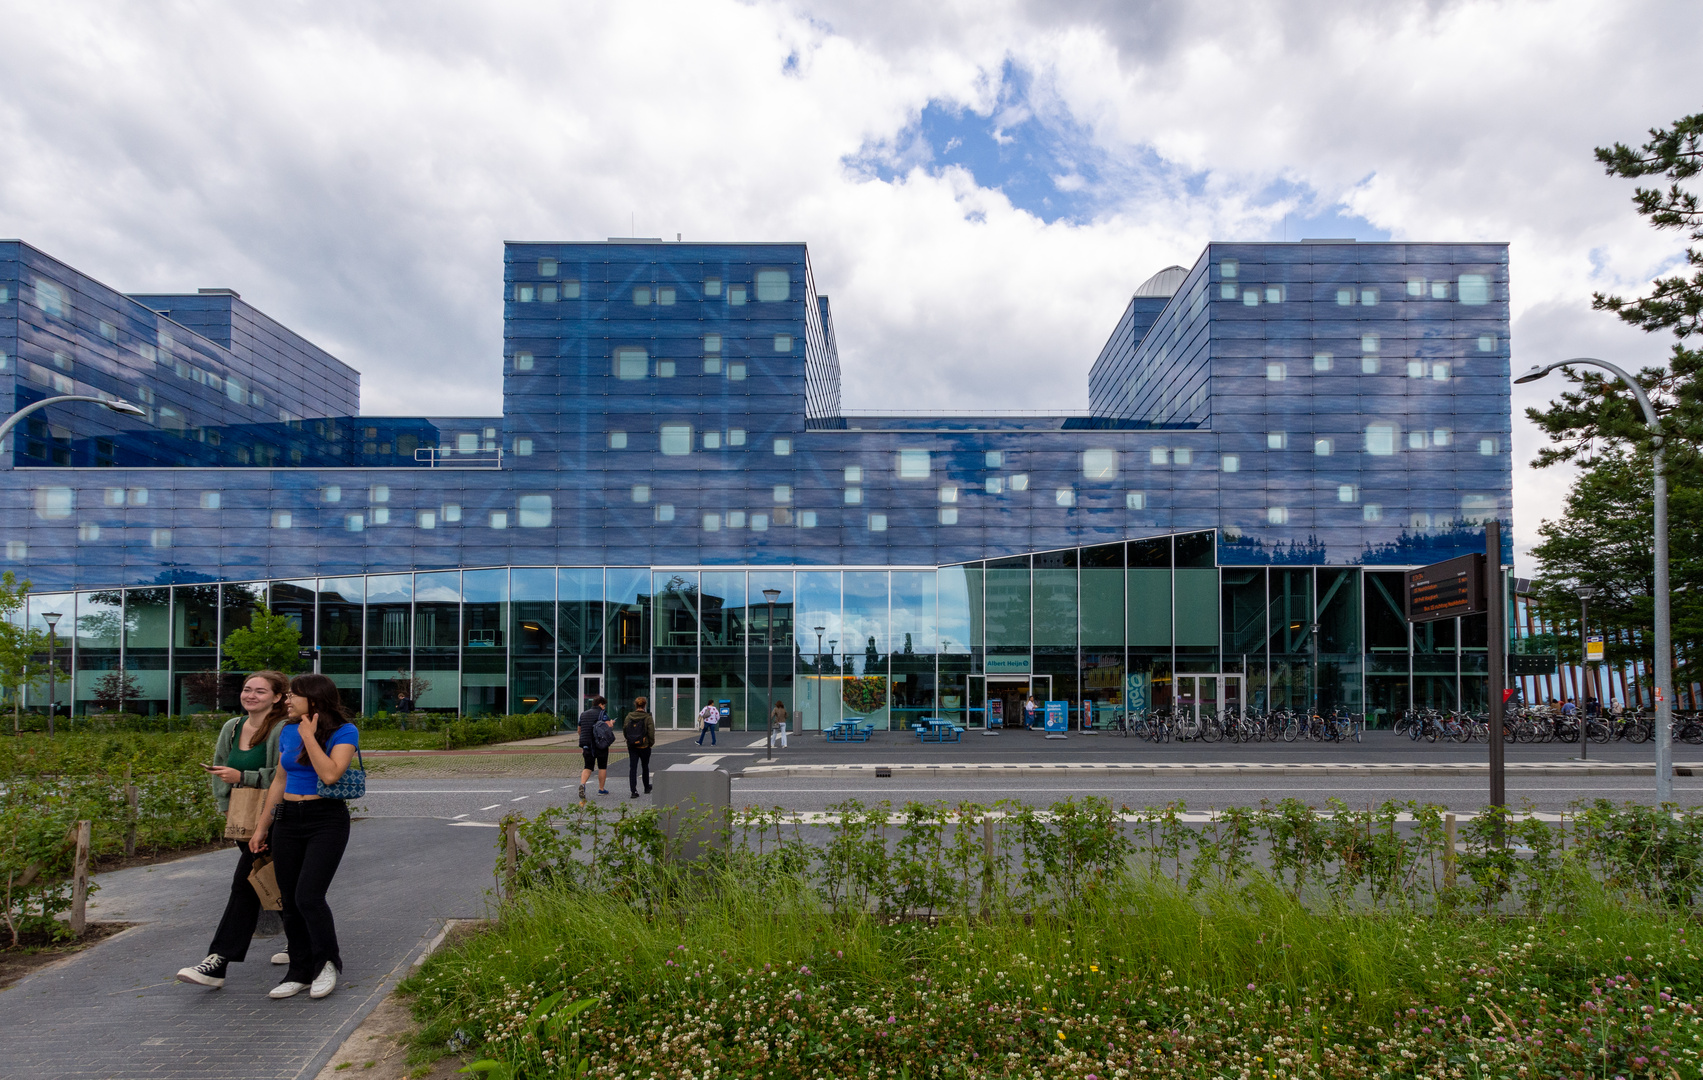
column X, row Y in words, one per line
column 116, row 1010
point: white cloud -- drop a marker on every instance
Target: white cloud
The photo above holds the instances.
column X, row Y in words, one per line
column 354, row 170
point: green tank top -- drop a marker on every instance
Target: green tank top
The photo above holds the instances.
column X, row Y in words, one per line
column 247, row 760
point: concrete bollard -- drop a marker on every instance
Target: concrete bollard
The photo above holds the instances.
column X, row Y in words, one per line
column 694, row 800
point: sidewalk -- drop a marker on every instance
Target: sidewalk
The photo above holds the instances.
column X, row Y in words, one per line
column 116, row 1010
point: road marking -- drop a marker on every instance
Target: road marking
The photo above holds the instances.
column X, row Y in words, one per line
column 493, row 806
column 439, row 791
column 547, row 791
column 477, row 824
column 520, row 797
column 458, row 817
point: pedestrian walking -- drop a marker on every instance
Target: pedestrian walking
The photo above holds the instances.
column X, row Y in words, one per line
column 710, row 717
column 778, row 723
column 244, row 760
column 306, row 824
column 595, row 758
column 639, row 727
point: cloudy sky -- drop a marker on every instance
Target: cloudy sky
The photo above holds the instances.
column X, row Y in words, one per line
column 982, row 182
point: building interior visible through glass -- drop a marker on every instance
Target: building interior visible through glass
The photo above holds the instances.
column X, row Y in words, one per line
column 1225, row 523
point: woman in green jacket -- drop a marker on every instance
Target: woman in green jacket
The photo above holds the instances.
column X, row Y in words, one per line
column 246, row 756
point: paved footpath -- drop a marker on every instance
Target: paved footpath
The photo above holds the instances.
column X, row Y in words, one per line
column 116, row 1010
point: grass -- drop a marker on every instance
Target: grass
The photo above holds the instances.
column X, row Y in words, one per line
column 758, row 979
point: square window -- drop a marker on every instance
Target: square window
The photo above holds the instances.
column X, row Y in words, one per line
column 806, row 519
column 712, row 343
column 712, row 286
column 1416, row 369
column 1065, row 497
column 1227, row 291
column 949, row 493
column 712, row 440
column 676, row 440
column 381, row 515
column 631, row 362
column 854, row 496
column 641, row 296
column 736, row 371
column 736, row 436
column 783, row 447
column 783, row 343
column 1416, row 440
column 736, row 519
column 499, row 519
column 1372, row 512
column 1474, row 289
column 1230, row 463
column 108, row 331
column 712, row 522
column 525, row 293
column 281, row 519
column 426, row 519
column 55, row 503
column 1136, row 500
column 16, row 550
column 913, row 464
column 665, row 369
column 1251, row 297
column 523, row 447
column 1442, row 437
column 546, row 267
column 1182, row 455
column 331, row 494
column 773, row 285
column 570, row 290
column 949, row 515
column 759, row 523
column 210, row 500
column 451, row 512
column 379, row 493
column 617, row 440
column 854, row 474
column 878, row 523
column 712, row 365
column 1440, row 370
column 160, row 538
column 664, row 512
column 1274, row 294
column 1229, row 268
column 1019, row 481
column 1369, row 343
column 1276, row 372
column 1380, row 439
column 1276, row 440
column 1370, row 365
column 1439, row 290
column 1100, row 463
column 1159, row 455
column 665, row 295
column 736, row 295
column 88, row 532
column 1345, row 297
column 1277, row 515
column 355, row 522
column 523, row 361
column 1369, row 297
column 546, row 294
column 1323, row 447
column 641, row 493
column 1488, row 447
column 1345, row 493
column 995, row 485
column 1487, row 343
column 1323, row 361
column 994, row 459
column 783, row 493
column 114, row 496
column 1416, row 286
column 138, row 496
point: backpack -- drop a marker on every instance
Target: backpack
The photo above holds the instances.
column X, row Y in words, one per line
column 603, row 734
column 645, row 740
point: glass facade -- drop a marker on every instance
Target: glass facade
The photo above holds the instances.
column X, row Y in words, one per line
column 1266, row 428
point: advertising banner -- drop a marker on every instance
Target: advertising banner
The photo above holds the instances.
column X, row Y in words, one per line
column 1138, row 692
column 1057, row 717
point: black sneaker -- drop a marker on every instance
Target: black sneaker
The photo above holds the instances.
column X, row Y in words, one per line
column 209, row 972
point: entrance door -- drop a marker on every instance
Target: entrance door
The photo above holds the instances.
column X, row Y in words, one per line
column 1013, row 692
column 1203, row 696
column 590, row 686
column 674, row 700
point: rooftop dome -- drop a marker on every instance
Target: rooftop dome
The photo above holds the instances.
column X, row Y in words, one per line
column 1165, row 283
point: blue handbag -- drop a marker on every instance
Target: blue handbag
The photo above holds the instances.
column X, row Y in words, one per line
column 351, row 785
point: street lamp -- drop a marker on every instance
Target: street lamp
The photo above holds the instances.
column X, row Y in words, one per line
column 1585, row 594
column 52, row 619
column 1664, row 629
column 116, row 406
column 771, row 595
column 819, row 630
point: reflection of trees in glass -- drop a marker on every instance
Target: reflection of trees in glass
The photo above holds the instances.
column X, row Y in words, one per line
column 268, row 642
column 113, row 690
column 201, row 689
column 411, row 686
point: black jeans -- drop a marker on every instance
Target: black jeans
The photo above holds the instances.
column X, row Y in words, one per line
column 242, row 911
column 637, row 759
column 307, row 841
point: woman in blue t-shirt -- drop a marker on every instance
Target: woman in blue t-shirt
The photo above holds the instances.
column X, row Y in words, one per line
column 309, row 833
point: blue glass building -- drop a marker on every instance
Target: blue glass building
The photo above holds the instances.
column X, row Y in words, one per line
column 1272, row 434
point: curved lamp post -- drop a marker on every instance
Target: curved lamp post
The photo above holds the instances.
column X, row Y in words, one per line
column 1664, row 628
column 771, row 595
column 116, row 406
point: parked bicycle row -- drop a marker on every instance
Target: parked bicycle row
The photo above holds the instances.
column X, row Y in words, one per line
column 1186, row 724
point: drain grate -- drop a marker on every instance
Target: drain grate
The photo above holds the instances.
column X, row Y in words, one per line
column 882, row 770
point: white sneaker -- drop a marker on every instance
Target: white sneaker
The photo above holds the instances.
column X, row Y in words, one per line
column 209, row 972
column 325, row 982
column 281, row 957
column 286, row 989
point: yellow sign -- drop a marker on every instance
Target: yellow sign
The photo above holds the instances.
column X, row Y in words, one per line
column 1593, row 648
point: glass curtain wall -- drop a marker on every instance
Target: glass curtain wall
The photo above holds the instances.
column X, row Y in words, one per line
column 437, row 641
column 725, row 621
column 532, row 639
column 341, row 619
column 100, row 680
column 195, row 648
column 770, row 653
column 390, row 645
column 484, row 655
column 865, row 688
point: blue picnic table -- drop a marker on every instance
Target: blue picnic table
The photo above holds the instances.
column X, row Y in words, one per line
column 850, row 729
column 933, row 728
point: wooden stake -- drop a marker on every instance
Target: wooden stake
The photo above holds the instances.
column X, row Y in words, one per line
column 1449, row 850
column 80, row 881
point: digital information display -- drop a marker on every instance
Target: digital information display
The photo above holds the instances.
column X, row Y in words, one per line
column 1446, row 589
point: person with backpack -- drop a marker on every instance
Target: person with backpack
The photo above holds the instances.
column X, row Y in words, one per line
column 593, row 747
column 640, row 729
column 710, row 717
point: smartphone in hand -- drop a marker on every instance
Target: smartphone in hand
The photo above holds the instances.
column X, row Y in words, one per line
column 209, row 766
